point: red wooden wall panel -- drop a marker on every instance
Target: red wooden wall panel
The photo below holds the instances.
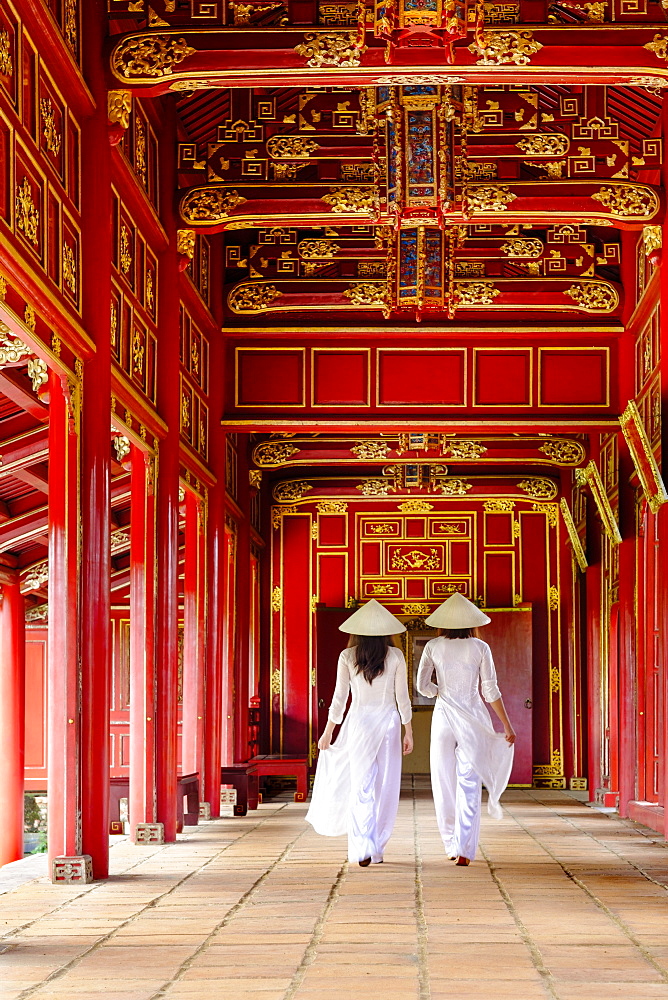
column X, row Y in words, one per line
column 421, row 378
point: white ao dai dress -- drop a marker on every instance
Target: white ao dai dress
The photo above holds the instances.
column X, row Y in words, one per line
column 358, row 778
column 465, row 750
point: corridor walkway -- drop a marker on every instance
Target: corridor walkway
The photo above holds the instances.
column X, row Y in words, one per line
column 566, row 903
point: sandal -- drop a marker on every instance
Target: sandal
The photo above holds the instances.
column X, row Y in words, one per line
column 365, row 863
column 461, row 860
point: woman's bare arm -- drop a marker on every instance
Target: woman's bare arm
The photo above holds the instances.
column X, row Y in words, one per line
column 500, row 710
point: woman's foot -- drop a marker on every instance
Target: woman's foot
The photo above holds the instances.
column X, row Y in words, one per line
column 365, row 863
column 460, row 860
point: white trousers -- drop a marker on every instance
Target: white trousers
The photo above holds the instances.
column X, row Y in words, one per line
column 373, row 809
column 457, row 790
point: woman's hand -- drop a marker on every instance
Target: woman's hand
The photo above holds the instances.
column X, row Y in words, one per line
column 325, row 741
column 408, row 740
column 510, row 734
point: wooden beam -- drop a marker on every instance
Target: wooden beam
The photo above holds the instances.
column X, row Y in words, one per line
column 17, row 387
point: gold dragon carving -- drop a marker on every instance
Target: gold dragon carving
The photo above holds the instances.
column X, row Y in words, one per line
column 475, row 293
column 318, row 249
column 352, row 199
column 628, row 201
column 538, row 489
column 523, row 248
column 455, row 487
column 271, row 455
column 290, row 147
column 595, row 296
column 367, row 294
column 371, row 449
column 498, row 48
column 464, row 449
column 287, row 492
column 250, row 298
column 563, row 452
column 149, row 55
column 490, row 197
column 209, row 204
column 330, row 50
column 544, row 145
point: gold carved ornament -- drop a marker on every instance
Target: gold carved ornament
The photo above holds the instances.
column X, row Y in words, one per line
column 489, row 197
column 209, row 204
column 416, row 559
column 628, row 201
column 342, row 50
column 375, row 488
column 52, row 139
column 332, row 507
column 119, row 107
column 149, row 56
column 69, row 268
column 499, row 506
column 6, row 65
column 475, row 293
column 553, row 598
column 455, row 487
column 643, row 457
column 551, row 144
column 252, row 298
column 290, row 147
column 121, row 447
column 271, row 455
column 594, row 296
column 652, row 239
column 3, row 288
column 415, row 506
column 659, row 46
column 371, row 450
column 27, row 215
column 358, row 200
column 287, row 492
column 278, row 513
column 574, row 538
column 185, row 243
column 12, row 349
column 276, row 599
column 38, row 373
column 415, row 609
column 549, row 509
column 538, row 489
column 367, row 294
column 30, row 318
column 318, row 249
column 275, row 682
column 590, row 475
column 563, row 452
column 523, row 248
column 464, row 449
column 499, row 48
column 125, row 253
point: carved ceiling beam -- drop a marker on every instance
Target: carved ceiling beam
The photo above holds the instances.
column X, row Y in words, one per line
column 23, row 450
column 24, row 528
column 180, row 59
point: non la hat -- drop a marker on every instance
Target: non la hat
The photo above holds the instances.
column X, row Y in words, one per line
column 372, row 619
column 457, row 612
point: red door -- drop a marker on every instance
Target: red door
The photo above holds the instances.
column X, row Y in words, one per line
column 328, row 644
column 509, row 636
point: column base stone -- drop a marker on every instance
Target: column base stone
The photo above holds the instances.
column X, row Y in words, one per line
column 77, row 870
column 149, row 833
column 205, row 810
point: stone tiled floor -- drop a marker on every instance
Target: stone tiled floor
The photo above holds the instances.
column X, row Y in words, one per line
column 564, row 903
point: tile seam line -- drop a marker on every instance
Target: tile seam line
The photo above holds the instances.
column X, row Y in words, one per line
column 598, row 902
column 546, row 977
column 420, row 919
column 229, row 916
column 620, row 819
column 310, row 951
column 64, row 969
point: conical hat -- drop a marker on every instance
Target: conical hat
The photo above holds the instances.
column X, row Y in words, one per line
column 372, row 619
column 457, row 612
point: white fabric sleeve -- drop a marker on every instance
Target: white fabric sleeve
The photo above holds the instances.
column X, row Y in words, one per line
column 341, row 691
column 490, row 689
column 425, row 684
column 401, row 690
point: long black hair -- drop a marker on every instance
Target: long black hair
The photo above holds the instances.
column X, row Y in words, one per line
column 370, row 653
column 457, row 633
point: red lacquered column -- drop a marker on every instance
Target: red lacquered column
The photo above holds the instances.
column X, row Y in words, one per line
column 213, row 715
column 142, row 641
column 241, row 752
column 64, row 821
column 12, row 716
column 192, row 726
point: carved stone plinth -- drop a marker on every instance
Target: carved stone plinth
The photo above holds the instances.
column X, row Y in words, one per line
column 205, row 810
column 72, row 871
column 149, row 833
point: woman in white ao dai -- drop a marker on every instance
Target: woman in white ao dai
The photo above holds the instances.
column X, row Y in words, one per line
column 358, row 777
column 465, row 750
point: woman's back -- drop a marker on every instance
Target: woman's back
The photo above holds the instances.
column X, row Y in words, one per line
column 460, row 665
column 387, row 690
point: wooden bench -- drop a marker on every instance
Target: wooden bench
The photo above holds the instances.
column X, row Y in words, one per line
column 246, row 786
column 283, row 765
column 187, row 788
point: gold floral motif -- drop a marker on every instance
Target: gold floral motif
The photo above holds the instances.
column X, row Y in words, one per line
column 3, row 288
column 498, row 48
column 29, row 317
column 149, row 55
column 209, row 204
column 277, row 514
column 388, row 589
column 69, row 268
column 415, row 609
column 6, row 66
column 330, row 50
column 475, row 293
column 250, row 298
column 125, row 255
column 185, row 413
column 416, row 559
column 138, row 355
column 371, row 449
column 27, row 216
column 70, row 25
column 185, row 243
column 563, row 452
column 659, row 46
column 352, row 199
column 290, row 147
column 38, row 373
column 276, row 682
column 121, row 447
column 455, row 487
column 113, row 323
column 490, row 197
column 140, row 150
column 550, row 510
column 628, row 201
column 318, row 249
column 255, row 478
column 332, row 507
column 499, row 506
column 286, row 492
column 553, row 598
column 464, row 449
column 149, row 290
column 382, row 528
column 12, row 349
column 271, row 456
column 551, row 144
column 523, row 248
column 576, row 543
column 119, row 107
column 652, row 239
column 555, row 679
column 375, row 487
column 367, row 294
column 594, row 296
column 51, row 134
column 539, row 489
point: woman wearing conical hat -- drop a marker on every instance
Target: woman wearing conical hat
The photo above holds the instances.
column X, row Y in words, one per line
column 465, row 749
column 358, row 777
